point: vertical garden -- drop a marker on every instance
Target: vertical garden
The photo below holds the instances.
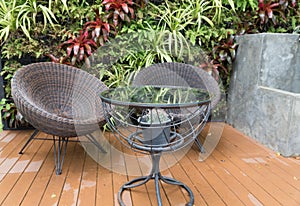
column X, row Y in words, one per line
column 69, row 32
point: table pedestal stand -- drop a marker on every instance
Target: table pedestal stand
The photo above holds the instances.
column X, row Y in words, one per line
column 156, row 175
column 152, row 120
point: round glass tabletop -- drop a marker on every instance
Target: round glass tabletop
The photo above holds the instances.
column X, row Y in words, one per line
column 156, row 96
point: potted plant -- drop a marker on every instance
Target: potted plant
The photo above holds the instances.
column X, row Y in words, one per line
column 156, row 127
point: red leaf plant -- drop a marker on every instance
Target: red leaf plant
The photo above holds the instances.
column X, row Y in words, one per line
column 266, row 9
column 223, row 56
column 119, row 9
column 61, row 60
column 79, row 47
column 99, row 29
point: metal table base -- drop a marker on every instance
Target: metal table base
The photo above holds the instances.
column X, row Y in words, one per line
column 156, row 175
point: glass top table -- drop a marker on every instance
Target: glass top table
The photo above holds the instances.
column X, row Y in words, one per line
column 153, row 120
column 154, row 96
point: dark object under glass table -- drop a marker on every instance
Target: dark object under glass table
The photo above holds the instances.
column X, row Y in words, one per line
column 156, row 120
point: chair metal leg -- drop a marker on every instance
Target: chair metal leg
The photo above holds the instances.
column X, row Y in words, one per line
column 95, row 142
column 29, row 140
column 200, row 146
column 59, row 152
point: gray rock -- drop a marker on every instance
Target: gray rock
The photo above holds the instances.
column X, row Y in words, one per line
column 264, row 94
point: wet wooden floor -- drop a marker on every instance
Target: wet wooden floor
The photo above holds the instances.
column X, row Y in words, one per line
column 239, row 171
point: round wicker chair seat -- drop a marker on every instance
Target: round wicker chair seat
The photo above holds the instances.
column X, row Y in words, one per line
column 58, row 99
column 179, row 74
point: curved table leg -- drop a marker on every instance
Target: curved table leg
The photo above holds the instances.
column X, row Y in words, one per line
column 156, row 175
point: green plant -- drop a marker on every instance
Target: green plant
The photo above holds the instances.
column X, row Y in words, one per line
column 218, row 9
column 143, row 48
column 154, row 116
column 23, row 15
column 8, row 19
column 94, row 33
column 72, row 18
column 7, row 73
column 246, row 5
column 42, row 42
column 172, row 17
column 117, row 76
column 151, row 40
column 62, row 3
column 8, row 112
column 200, row 13
column 11, row 115
column 226, row 51
column 169, row 31
column 32, row 10
column 266, row 10
column 1, row 125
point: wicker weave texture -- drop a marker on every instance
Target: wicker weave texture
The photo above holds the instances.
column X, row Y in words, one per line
column 58, row 99
column 178, row 74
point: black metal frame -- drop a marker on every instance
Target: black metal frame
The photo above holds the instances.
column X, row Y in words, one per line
column 135, row 138
column 156, row 175
column 60, row 147
column 59, row 157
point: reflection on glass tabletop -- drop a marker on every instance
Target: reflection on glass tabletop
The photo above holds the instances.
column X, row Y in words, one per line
column 156, row 96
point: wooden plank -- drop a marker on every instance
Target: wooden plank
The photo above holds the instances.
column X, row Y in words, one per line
column 284, row 168
column 87, row 194
column 9, row 145
column 178, row 195
column 133, row 170
column 222, row 189
column 20, row 181
column 104, row 194
column 9, row 157
column 4, row 133
column 118, row 181
column 235, row 186
column 43, row 175
column 55, row 185
column 120, row 178
column 256, row 194
column 260, row 179
column 220, row 166
column 246, row 175
column 203, row 189
column 250, row 173
column 282, row 191
column 70, row 185
column 5, row 140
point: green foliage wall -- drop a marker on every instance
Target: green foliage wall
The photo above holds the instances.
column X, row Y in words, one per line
column 179, row 30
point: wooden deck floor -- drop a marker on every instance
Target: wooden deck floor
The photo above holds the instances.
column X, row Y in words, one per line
column 238, row 172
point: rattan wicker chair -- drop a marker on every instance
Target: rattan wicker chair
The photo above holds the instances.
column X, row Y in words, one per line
column 60, row 100
column 179, row 74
